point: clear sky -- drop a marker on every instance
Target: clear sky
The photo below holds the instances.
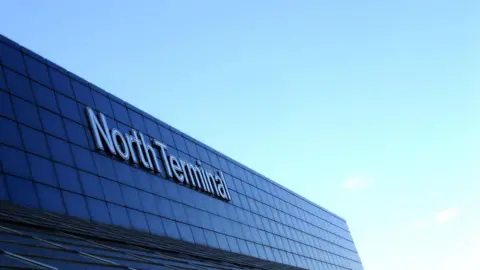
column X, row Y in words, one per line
column 369, row 108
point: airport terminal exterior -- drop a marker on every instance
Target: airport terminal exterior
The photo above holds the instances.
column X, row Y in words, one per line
column 88, row 181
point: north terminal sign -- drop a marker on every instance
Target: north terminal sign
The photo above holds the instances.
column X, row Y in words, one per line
column 134, row 148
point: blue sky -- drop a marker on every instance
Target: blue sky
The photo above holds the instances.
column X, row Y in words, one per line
column 369, row 108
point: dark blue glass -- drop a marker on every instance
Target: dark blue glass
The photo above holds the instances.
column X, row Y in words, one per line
column 68, row 108
column 6, row 108
column 68, row 178
column 91, row 185
column 155, row 224
column 26, row 113
column 14, row 161
column 138, row 219
column 50, row 199
column 141, row 179
column 137, row 121
column 3, row 84
column 224, row 165
column 3, row 189
column 180, row 142
column 34, row 141
column 148, row 202
column 172, row 190
column 222, row 241
column 185, row 232
column 42, row 170
column 82, row 93
column 12, row 58
column 76, row 205
column 112, row 191
column 52, row 123
column 123, row 172
column 164, row 208
column 120, row 112
column 199, row 236
column 102, row 103
column 211, row 239
column 61, row 83
column 37, row 70
column 104, row 165
column 22, row 191
column 60, row 150
column 179, row 212
column 242, row 244
column 76, row 133
column 10, row 133
column 119, row 215
column 83, row 159
column 152, row 129
column 167, row 136
column 232, row 243
column 202, row 154
column 19, row 85
column 45, row 97
column 214, row 159
column 98, row 211
column 171, row 228
column 130, row 195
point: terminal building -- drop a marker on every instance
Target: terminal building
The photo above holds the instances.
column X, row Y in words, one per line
column 89, row 181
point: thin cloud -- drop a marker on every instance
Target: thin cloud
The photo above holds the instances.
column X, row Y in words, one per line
column 355, row 183
column 446, row 215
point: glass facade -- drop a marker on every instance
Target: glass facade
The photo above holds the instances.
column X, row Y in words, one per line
column 49, row 160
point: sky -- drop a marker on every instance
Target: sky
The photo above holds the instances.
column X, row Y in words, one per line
column 368, row 108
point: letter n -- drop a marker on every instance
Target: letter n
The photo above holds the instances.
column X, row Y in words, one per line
column 100, row 131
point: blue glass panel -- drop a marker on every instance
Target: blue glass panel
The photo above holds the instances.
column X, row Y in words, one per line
column 171, row 190
column 171, row 228
column 155, row 224
column 222, row 241
column 119, row 215
column 202, row 154
column 167, row 136
column 261, row 251
column 104, row 165
column 164, row 208
column 3, row 189
column 232, row 243
column 3, row 84
column 91, row 185
column 50, row 199
column 123, row 172
column 213, row 159
column 68, row 108
column 14, row 161
column 158, row 187
column 76, row 205
column 37, row 70
column 19, row 85
column 26, row 113
column 138, row 219
column 22, row 191
column 52, row 123
column 148, row 202
column 185, row 232
column 10, row 133
column 112, row 191
column 68, row 178
column 12, row 58
column 102, row 103
column 82, row 93
column 211, row 238
column 152, row 129
column 42, row 170
column 179, row 211
column 83, row 159
column 179, row 142
column 76, row 133
column 199, row 236
column 120, row 112
column 45, row 97
column 242, row 244
column 34, row 141
column 141, row 179
column 130, row 196
column 6, row 108
column 61, row 83
column 192, row 149
column 60, row 150
column 137, row 121
column 98, row 211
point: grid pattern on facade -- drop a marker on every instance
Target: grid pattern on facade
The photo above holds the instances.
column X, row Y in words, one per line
column 47, row 153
